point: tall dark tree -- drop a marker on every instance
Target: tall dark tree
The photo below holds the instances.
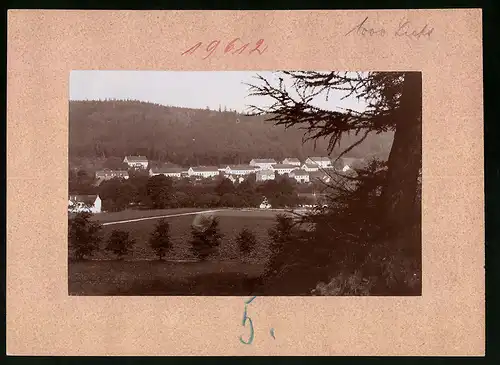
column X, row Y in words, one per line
column 159, row 191
column 84, row 235
column 394, row 104
column 246, row 241
column 119, row 243
column 225, row 186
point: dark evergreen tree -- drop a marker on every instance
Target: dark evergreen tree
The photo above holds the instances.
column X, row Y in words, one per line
column 159, row 239
column 84, row 235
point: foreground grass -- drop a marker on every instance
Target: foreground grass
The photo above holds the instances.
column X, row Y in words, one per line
column 162, row 278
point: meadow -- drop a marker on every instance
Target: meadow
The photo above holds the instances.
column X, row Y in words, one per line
column 140, row 273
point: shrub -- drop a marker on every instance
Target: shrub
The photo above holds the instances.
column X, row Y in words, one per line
column 246, row 241
column 346, row 284
column 206, row 237
column 119, row 243
column 160, row 239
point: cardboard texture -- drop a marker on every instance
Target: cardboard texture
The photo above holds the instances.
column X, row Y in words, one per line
column 44, row 46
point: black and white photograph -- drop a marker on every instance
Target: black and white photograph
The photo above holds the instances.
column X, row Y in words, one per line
column 245, row 183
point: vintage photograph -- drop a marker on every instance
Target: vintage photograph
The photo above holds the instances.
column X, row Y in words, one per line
column 240, row 183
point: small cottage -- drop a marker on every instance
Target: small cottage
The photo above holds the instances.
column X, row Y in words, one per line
column 84, row 203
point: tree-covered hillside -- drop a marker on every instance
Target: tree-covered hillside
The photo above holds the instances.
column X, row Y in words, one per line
column 104, row 129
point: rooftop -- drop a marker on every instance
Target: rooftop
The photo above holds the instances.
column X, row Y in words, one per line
column 299, row 172
column 167, row 170
column 205, row 168
column 137, row 158
column 284, row 166
column 264, row 160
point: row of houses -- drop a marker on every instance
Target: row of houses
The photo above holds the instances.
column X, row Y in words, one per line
column 262, row 163
column 265, row 169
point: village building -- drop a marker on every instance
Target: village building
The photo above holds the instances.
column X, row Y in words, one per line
column 282, row 169
column 320, row 176
column 265, row 204
column 349, row 163
column 136, row 161
column 240, row 169
column 310, row 167
column 203, row 171
column 319, row 161
column 235, row 178
column 107, row 174
column 291, row 161
column 263, row 163
column 176, row 172
column 84, row 203
column 264, row 175
column 301, row 176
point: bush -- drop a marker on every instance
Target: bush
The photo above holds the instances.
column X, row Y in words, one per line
column 246, row 241
column 160, row 239
column 206, row 237
column 344, row 284
column 83, row 235
column 119, row 243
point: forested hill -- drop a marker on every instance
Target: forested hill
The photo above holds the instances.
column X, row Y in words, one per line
column 104, row 129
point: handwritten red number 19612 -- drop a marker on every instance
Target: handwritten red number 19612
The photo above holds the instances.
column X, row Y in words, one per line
column 236, row 46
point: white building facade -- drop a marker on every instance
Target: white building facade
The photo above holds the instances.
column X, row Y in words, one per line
column 310, row 167
column 203, row 171
column 111, row 174
column 240, row 169
column 300, row 176
column 284, row 169
column 319, row 161
column 175, row 172
column 264, row 175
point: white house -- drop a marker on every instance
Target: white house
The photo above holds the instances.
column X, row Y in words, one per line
column 284, row 169
column 291, row 161
column 203, row 171
column 264, row 175
column 263, row 163
column 136, row 161
column 107, row 174
column 84, row 203
column 310, row 167
column 240, row 169
column 319, row 161
column 300, row 176
column 167, row 171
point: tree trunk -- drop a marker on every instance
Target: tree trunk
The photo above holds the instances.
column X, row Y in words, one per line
column 405, row 159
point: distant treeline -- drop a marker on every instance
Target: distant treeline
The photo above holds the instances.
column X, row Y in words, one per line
column 104, row 129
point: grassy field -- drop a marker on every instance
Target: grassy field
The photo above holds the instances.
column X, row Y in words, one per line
column 231, row 223
column 162, row 278
column 227, row 273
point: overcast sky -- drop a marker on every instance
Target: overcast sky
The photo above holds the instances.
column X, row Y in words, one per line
column 182, row 88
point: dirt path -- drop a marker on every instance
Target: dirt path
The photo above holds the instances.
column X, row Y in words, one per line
column 159, row 217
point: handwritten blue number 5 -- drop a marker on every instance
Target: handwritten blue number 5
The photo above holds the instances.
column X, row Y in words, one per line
column 245, row 318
